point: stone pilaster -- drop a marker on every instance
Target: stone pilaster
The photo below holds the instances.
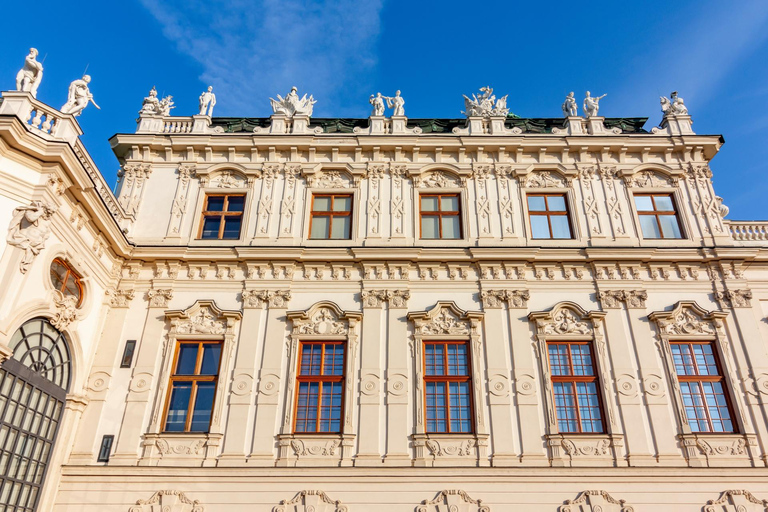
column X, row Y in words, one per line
column 398, row 386
column 369, row 451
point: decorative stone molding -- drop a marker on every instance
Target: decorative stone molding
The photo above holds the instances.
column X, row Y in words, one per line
column 452, row 500
column 736, row 500
column 376, row 298
column 180, row 447
column 324, row 319
column 596, row 501
column 585, row 449
column 438, row 179
column 158, row 298
column 203, row 317
column 736, row 298
column 29, row 229
column 168, row 500
column 132, row 178
column 719, row 450
column 310, row 501
column 119, row 298
column 442, row 448
column 445, row 318
column 544, row 179
column 688, row 319
column 277, row 299
column 566, row 319
column 493, row 299
column 66, row 310
column 634, row 299
column 648, row 179
column 307, row 448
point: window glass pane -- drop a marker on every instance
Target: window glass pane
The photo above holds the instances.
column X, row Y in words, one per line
column 560, row 226
column 649, row 226
column 72, row 288
column 342, row 203
column 451, row 228
column 539, row 226
column 429, row 227
column 58, row 273
column 589, row 407
column 664, row 203
column 187, row 359
column 306, row 407
column 434, row 361
column 177, row 408
column 449, row 203
column 669, row 226
column 201, row 414
column 436, row 407
column 322, row 204
column 459, row 407
column 537, row 203
column 311, row 357
column 340, row 227
column 215, row 204
column 236, row 203
column 319, row 227
column 211, row 354
column 232, row 227
column 643, row 203
column 211, row 228
column 334, row 359
column 565, row 406
column 457, row 359
column 429, row 203
column 556, row 203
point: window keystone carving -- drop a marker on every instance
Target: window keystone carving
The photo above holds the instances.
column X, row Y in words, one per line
column 596, row 501
column 310, row 501
column 453, row 500
column 738, row 500
column 649, row 179
column 567, row 318
column 173, row 500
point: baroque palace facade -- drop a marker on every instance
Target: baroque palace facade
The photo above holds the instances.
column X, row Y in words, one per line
column 296, row 314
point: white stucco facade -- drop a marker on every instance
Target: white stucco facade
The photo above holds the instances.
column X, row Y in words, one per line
column 383, row 293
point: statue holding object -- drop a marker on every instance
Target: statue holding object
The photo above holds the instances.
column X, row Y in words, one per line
column 570, row 108
column 378, row 104
column 674, row 105
column 485, row 105
column 78, row 97
column 592, row 105
column 396, row 103
column 292, row 105
column 29, row 77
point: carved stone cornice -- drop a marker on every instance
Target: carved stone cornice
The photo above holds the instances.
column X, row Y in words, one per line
column 119, row 298
column 273, row 298
column 158, row 298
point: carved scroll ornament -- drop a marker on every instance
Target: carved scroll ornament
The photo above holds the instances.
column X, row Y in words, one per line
column 170, row 500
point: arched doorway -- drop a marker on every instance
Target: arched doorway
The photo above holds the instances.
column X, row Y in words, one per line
column 33, row 390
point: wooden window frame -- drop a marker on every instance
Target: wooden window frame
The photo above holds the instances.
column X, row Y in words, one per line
column 547, row 213
column 341, row 379
column 656, row 213
column 222, row 215
column 595, row 377
column 440, row 213
column 448, row 379
column 331, row 214
column 707, row 378
column 194, row 379
column 70, row 273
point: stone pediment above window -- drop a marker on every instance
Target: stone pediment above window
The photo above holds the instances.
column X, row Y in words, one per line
column 445, row 319
column 688, row 319
column 204, row 317
column 440, row 176
column 644, row 177
column 596, row 500
column 226, row 176
column 567, row 319
column 453, row 499
column 539, row 176
column 324, row 318
column 333, row 176
column 310, row 501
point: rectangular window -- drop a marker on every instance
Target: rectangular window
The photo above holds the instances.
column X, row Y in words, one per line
column 440, row 216
column 127, row 360
column 447, row 387
column 320, row 387
column 331, row 217
column 193, row 386
column 549, row 217
column 106, row 448
column 222, row 217
column 702, row 385
column 658, row 217
column 575, row 387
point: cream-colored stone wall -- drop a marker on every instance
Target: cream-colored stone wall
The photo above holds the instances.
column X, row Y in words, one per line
column 383, row 293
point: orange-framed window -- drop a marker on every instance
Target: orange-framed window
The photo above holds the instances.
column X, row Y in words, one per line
column 66, row 280
column 193, row 386
column 549, row 217
column 705, row 395
column 440, row 216
column 222, row 217
column 575, row 387
column 447, row 387
column 658, row 216
column 320, row 387
column 331, row 217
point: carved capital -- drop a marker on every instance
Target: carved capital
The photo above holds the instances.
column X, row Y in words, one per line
column 515, row 298
column 119, row 298
column 634, row 299
column 373, row 298
column 736, row 298
column 158, row 298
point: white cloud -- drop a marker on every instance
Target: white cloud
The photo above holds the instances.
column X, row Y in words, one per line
column 251, row 50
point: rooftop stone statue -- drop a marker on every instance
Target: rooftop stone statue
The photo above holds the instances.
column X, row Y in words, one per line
column 485, row 105
column 78, row 97
column 592, row 104
column 570, row 108
column 674, row 105
column 29, row 77
column 292, row 105
column 207, row 102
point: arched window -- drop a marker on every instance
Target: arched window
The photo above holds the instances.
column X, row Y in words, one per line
column 66, row 280
column 33, row 390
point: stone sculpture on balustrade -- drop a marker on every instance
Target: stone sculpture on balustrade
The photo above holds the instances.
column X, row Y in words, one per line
column 570, row 108
column 674, row 106
column 29, row 77
column 207, row 102
column 152, row 106
column 396, row 103
column 592, row 104
column 378, row 104
column 485, row 105
column 78, row 97
column 292, row 105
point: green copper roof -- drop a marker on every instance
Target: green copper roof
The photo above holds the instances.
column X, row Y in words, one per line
column 348, row 125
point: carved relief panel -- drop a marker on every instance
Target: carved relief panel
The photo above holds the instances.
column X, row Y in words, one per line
column 453, row 500
column 310, row 501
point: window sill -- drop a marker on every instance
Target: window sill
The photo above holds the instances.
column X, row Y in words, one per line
column 574, row 450
column 434, row 450
column 719, row 450
column 315, row 450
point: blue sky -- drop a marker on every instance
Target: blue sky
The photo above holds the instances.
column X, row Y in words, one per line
column 715, row 53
